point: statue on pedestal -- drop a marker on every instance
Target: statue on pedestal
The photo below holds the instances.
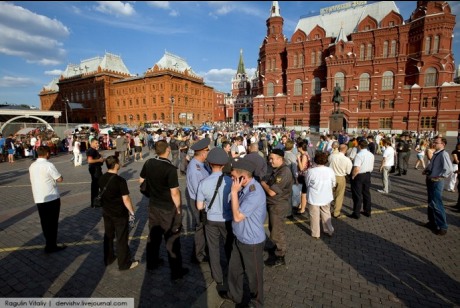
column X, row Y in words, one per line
column 336, row 98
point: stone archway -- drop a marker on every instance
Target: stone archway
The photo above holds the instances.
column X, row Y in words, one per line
column 48, row 126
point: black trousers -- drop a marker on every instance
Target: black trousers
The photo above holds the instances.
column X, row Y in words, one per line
column 215, row 231
column 165, row 224
column 199, row 237
column 116, row 227
column 247, row 259
column 360, row 193
column 49, row 219
column 96, row 173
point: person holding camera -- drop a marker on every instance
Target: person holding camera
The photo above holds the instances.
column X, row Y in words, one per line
column 117, row 212
column 213, row 198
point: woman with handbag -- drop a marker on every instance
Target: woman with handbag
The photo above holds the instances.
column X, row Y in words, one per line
column 117, row 212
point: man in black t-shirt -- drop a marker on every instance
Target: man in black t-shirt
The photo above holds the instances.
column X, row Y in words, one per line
column 165, row 218
column 95, row 161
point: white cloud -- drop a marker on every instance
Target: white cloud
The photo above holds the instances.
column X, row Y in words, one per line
column 31, row 36
column 115, row 8
column 55, row 72
column 221, row 8
column 221, row 79
column 159, row 4
column 17, row 82
column 173, row 13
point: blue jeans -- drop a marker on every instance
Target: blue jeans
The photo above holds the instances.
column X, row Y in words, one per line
column 436, row 211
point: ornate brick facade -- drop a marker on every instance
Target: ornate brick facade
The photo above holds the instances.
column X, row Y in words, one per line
column 394, row 75
column 106, row 93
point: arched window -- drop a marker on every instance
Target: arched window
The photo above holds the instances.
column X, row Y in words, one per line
column 154, row 116
column 385, row 49
column 393, row 48
column 270, row 89
column 427, row 45
column 162, row 116
column 295, row 61
column 431, row 77
column 369, row 52
column 313, row 58
column 124, row 118
column 300, row 60
column 119, row 119
column 316, row 86
column 298, row 87
column 436, row 44
column 145, row 117
column 138, row 117
column 340, row 79
column 387, row 80
column 364, row 82
column 362, row 50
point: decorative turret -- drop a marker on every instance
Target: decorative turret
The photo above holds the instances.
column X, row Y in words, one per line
column 241, row 69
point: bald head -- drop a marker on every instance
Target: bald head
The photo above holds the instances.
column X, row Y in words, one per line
column 343, row 148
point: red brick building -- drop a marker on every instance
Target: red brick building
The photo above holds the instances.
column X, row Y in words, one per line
column 102, row 90
column 394, row 74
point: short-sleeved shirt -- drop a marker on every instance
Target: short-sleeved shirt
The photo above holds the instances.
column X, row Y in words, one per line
column 112, row 199
column 196, row 172
column 161, row 176
column 95, row 155
column 43, row 176
column 220, row 208
column 280, row 181
column 320, row 181
column 364, row 160
column 389, row 155
column 253, row 206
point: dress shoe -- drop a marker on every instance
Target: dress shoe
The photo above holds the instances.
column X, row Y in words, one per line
column 55, row 249
column 156, row 264
column 366, row 214
column 275, row 262
column 176, row 277
column 353, row 215
column 440, row 232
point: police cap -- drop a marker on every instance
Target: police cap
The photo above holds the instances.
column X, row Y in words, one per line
column 201, row 145
column 217, row 156
column 278, row 152
column 244, row 164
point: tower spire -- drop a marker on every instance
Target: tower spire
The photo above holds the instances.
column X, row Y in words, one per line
column 275, row 9
column 241, row 69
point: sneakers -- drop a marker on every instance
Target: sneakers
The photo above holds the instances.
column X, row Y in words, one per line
column 134, row 264
column 382, row 191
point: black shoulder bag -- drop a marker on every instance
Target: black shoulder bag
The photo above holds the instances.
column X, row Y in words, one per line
column 203, row 212
column 97, row 202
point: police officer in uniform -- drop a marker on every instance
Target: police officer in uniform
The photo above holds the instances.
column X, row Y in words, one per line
column 165, row 218
column 278, row 188
column 197, row 170
column 248, row 204
column 213, row 196
column 95, row 161
column 403, row 150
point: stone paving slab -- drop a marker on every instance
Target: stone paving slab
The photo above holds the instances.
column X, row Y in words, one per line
column 384, row 261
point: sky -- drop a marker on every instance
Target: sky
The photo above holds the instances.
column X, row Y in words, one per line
column 38, row 39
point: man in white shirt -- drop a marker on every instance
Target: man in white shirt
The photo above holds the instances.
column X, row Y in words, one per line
column 33, row 141
column 341, row 165
column 387, row 162
column 44, row 178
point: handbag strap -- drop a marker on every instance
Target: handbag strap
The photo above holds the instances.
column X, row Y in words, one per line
column 219, row 182
column 103, row 190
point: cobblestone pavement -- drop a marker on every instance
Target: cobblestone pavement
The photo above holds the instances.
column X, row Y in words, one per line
column 387, row 260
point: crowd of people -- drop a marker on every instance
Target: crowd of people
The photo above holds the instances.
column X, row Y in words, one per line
column 237, row 180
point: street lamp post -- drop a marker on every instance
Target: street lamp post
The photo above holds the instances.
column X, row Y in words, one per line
column 172, row 110
column 66, row 101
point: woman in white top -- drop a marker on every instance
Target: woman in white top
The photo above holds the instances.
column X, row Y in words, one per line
column 320, row 182
column 77, row 153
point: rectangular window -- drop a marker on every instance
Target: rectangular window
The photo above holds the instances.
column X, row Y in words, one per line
column 434, row 102
column 298, row 122
column 391, row 104
column 428, row 122
column 363, row 123
column 301, row 107
column 368, row 104
column 385, row 123
column 294, row 107
column 360, row 105
column 425, row 102
column 382, row 104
